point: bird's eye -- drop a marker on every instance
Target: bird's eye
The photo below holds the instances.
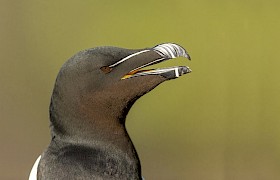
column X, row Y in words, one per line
column 106, row 69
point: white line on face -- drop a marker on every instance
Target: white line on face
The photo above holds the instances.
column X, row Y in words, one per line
column 128, row 57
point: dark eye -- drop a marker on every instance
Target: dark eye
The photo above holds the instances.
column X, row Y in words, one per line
column 106, row 69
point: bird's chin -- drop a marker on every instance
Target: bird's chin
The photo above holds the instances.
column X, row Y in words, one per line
column 138, row 86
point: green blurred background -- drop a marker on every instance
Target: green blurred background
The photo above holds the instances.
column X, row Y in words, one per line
column 221, row 122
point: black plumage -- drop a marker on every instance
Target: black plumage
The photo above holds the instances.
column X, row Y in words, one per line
column 92, row 95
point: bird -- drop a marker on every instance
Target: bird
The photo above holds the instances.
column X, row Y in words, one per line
column 92, row 95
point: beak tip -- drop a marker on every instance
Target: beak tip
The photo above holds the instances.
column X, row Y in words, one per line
column 187, row 70
column 189, row 57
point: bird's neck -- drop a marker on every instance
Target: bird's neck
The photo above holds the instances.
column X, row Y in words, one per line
column 93, row 126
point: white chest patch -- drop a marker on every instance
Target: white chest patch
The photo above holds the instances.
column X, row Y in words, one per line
column 33, row 173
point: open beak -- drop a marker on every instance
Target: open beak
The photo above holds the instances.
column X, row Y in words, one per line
column 166, row 51
column 135, row 62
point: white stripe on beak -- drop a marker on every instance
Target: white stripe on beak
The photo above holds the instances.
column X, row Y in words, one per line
column 176, row 72
column 171, row 50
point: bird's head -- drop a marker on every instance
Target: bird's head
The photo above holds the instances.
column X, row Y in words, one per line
column 104, row 82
